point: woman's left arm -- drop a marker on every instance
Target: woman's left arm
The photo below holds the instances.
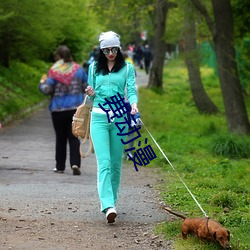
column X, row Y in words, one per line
column 90, row 91
column 131, row 89
column 46, row 85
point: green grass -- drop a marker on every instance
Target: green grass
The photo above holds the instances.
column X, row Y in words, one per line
column 19, row 88
column 214, row 164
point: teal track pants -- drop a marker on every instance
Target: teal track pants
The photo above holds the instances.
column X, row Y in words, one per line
column 108, row 150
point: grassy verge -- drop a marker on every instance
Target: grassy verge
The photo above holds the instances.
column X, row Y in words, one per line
column 214, row 164
column 19, row 88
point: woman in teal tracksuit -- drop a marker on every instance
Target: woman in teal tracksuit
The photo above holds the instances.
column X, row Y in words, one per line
column 108, row 76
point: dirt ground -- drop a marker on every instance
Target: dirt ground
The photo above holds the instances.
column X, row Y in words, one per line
column 40, row 209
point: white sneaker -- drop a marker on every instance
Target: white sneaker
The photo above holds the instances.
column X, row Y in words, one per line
column 76, row 170
column 111, row 214
column 58, row 171
column 131, row 155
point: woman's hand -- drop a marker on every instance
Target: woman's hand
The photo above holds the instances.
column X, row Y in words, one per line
column 90, row 91
column 134, row 109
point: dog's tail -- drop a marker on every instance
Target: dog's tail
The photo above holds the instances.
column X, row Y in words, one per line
column 175, row 213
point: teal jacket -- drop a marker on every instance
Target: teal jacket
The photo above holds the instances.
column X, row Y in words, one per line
column 106, row 86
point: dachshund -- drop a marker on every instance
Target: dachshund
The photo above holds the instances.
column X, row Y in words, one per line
column 204, row 229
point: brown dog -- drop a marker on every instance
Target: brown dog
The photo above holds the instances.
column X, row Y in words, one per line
column 204, row 229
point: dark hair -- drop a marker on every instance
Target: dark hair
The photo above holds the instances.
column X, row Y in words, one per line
column 102, row 67
column 64, row 53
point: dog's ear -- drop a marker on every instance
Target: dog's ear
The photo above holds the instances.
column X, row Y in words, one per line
column 228, row 237
column 214, row 235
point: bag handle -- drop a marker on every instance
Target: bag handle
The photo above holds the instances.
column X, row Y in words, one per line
column 85, row 139
column 85, row 99
column 90, row 149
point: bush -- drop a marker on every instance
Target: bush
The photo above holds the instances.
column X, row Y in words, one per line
column 231, row 146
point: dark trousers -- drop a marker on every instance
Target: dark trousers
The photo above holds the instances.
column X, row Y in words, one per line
column 62, row 122
column 147, row 65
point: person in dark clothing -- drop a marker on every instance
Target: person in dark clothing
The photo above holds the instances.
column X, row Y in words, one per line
column 65, row 83
column 147, row 54
column 93, row 55
column 138, row 53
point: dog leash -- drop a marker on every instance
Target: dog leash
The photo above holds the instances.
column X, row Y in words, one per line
column 174, row 170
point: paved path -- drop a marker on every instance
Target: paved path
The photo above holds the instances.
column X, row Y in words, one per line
column 26, row 163
column 30, row 190
column 141, row 78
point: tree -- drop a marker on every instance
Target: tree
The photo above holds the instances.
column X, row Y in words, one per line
column 201, row 99
column 241, row 17
column 28, row 33
column 242, row 33
column 223, row 38
column 159, row 46
column 127, row 17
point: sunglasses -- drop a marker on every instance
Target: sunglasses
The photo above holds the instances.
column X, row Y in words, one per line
column 106, row 51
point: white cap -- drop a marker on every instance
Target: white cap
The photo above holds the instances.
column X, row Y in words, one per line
column 109, row 39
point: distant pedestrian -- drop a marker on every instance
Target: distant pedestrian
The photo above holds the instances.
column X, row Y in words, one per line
column 147, row 54
column 138, row 56
column 107, row 78
column 93, row 55
column 128, row 59
column 65, row 84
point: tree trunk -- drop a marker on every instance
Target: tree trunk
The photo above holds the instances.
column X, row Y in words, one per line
column 159, row 47
column 223, row 38
column 235, row 109
column 201, row 99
